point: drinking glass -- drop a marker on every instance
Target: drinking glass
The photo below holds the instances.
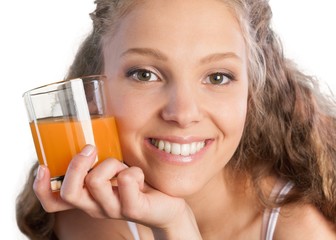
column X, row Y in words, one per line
column 64, row 117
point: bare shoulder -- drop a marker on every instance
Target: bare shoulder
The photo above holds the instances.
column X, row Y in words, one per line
column 75, row 224
column 303, row 222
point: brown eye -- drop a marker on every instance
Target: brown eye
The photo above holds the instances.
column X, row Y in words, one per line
column 143, row 75
column 219, row 78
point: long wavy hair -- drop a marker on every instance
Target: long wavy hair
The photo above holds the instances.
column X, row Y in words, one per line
column 290, row 129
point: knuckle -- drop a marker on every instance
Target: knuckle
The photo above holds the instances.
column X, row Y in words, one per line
column 68, row 196
column 130, row 175
column 138, row 171
column 124, row 178
column 92, row 181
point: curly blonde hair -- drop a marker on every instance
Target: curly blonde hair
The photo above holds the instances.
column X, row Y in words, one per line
column 290, row 129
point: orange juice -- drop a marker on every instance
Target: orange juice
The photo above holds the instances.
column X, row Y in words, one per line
column 57, row 141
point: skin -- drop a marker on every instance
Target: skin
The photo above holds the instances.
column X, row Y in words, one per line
column 181, row 106
column 179, row 46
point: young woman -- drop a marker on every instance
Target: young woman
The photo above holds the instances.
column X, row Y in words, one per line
column 219, row 132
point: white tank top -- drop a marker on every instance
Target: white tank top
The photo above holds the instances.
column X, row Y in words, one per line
column 270, row 217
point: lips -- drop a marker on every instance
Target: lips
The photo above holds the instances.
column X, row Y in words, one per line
column 185, row 149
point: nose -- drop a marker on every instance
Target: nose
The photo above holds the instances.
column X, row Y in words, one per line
column 182, row 107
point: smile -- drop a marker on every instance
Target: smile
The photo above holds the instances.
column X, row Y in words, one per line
column 176, row 148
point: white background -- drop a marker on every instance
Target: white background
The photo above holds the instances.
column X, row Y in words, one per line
column 39, row 38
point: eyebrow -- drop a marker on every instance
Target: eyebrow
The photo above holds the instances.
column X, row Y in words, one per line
column 219, row 56
column 146, row 52
column 162, row 57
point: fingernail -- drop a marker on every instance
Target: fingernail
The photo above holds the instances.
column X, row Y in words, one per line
column 87, row 150
column 40, row 173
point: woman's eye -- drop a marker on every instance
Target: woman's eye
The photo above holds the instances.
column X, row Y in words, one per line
column 142, row 75
column 219, row 78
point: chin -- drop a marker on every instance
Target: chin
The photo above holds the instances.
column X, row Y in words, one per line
column 181, row 188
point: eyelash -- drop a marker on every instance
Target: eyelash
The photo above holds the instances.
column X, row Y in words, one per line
column 134, row 74
column 135, row 71
column 230, row 77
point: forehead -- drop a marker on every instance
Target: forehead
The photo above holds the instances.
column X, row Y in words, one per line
column 184, row 24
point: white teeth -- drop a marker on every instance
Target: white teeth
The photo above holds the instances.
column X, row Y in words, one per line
column 178, row 149
column 161, row 145
column 185, row 149
column 193, row 148
column 167, row 147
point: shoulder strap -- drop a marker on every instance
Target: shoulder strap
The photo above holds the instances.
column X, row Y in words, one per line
column 134, row 230
column 270, row 217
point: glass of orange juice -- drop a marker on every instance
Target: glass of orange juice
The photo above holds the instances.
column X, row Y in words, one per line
column 64, row 117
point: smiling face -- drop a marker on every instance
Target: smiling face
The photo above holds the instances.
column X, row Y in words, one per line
column 178, row 87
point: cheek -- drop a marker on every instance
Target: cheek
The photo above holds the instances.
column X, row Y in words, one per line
column 120, row 102
column 231, row 119
column 129, row 121
column 127, row 112
column 132, row 116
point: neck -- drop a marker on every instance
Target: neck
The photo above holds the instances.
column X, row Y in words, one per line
column 224, row 208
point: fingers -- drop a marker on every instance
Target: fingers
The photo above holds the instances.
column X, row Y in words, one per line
column 78, row 168
column 98, row 181
column 91, row 191
column 141, row 203
column 51, row 202
column 72, row 193
column 73, row 190
column 125, row 199
column 132, row 197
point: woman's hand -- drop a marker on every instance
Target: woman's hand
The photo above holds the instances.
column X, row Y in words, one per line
column 92, row 192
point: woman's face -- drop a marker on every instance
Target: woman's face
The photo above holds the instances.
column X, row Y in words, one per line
column 178, row 88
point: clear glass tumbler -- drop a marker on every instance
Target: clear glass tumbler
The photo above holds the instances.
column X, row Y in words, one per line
column 64, row 117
